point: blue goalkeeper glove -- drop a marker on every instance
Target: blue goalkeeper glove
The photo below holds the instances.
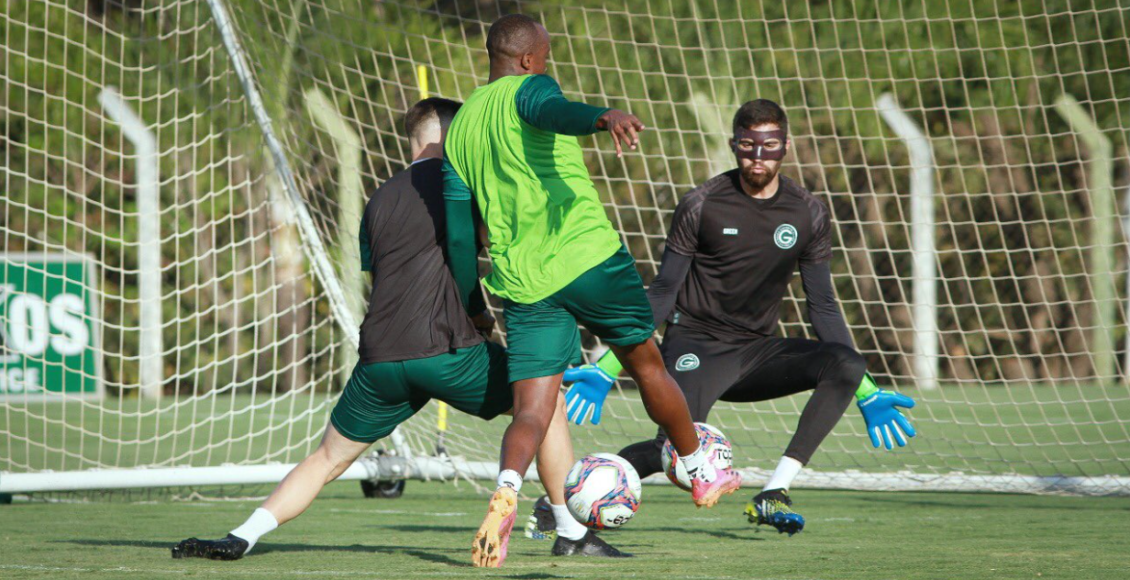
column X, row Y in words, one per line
column 884, row 421
column 585, row 398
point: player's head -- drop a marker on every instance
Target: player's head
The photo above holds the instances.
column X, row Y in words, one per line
column 517, row 44
column 761, row 140
column 426, row 125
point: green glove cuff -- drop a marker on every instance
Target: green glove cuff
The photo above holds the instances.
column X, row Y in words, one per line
column 866, row 387
column 610, row 364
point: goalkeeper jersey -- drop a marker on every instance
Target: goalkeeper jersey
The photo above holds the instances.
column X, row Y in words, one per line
column 523, row 166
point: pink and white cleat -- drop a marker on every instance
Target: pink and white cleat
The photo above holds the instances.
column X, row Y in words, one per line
column 706, row 494
column 489, row 548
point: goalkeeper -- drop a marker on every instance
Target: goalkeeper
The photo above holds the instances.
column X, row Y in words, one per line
column 417, row 343
column 733, row 246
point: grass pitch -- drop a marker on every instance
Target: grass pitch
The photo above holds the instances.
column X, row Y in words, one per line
column 427, row 534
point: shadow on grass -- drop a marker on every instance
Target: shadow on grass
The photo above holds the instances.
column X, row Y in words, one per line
column 422, row 528
column 720, row 534
column 266, row 548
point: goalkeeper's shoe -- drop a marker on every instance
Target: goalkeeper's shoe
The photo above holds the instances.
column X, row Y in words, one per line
column 774, row 508
column 229, row 548
column 589, row 545
column 706, row 494
column 489, row 548
column 542, row 525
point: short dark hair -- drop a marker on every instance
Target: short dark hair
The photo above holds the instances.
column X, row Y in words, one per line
column 760, row 112
column 512, row 35
column 443, row 110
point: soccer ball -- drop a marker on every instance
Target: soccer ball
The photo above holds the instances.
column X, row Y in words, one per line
column 603, row 491
column 718, row 453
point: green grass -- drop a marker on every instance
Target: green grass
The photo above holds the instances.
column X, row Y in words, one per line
column 1047, row 430
column 1042, row 430
column 427, row 533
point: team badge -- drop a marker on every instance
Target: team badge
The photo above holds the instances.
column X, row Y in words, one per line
column 687, row 362
column 785, row 236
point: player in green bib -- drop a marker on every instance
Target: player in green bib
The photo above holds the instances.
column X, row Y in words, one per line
column 513, row 160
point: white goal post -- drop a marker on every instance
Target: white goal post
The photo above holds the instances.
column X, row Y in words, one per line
column 969, row 156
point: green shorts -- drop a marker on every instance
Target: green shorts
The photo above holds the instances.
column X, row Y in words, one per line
column 609, row 300
column 380, row 396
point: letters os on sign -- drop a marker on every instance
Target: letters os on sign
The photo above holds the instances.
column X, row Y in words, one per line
column 48, row 326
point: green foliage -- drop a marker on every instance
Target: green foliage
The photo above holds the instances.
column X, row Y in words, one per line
column 979, row 76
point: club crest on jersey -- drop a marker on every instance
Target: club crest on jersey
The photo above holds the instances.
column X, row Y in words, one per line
column 785, row 236
column 687, row 362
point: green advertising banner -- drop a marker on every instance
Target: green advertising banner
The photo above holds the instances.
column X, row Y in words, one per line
column 48, row 327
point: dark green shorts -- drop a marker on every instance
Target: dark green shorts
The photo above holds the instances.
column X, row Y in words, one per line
column 380, row 396
column 609, row 300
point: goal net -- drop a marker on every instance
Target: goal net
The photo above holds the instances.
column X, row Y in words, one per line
column 183, row 182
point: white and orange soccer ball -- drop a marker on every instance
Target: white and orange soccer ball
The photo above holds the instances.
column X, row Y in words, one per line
column 603, row 491
column 718, row 452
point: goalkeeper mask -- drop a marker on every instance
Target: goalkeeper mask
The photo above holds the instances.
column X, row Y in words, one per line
column 749, row 144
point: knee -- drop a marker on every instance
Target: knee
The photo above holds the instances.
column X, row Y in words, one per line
column 539, row 417
column 333, row 464
column 846, row 364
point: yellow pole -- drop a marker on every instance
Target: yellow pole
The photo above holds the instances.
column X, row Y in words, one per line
column 441, row 414
column 422, row 80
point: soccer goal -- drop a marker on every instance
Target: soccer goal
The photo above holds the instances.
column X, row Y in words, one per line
column 183, row 182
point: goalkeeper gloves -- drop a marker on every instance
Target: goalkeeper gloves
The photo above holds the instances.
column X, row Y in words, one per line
column 591, row 383
column 884, row 421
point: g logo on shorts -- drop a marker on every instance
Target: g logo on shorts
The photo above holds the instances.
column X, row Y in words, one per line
column 785, row 236
column 687, row 362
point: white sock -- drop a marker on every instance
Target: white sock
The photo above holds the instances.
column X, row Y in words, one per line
column 787, row 470
column 256, row 526
column 510, row 478
column 567, row 526
column 696, row 462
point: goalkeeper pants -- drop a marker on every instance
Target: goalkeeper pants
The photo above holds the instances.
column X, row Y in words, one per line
column 758, row 369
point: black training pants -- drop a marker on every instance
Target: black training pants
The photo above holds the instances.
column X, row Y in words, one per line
column 759, row 369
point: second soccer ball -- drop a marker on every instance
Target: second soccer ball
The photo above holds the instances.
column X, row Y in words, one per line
column 718, row 453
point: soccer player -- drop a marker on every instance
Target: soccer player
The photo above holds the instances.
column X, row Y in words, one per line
column 733, row 246
column 557, row 260
column 417, row 343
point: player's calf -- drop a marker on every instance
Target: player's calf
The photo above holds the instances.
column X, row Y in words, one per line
column 645, row 456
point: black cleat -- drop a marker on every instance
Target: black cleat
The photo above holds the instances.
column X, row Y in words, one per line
column 229, row 548
column 589, row 545
column 542, row 524
column 774, row 508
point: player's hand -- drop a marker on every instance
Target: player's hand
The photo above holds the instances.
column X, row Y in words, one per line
column 484, row 323
column 884, row 421
column 585, row 398
column 624, row 128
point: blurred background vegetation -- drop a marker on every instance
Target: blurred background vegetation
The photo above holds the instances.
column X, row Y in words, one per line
column 242, row 308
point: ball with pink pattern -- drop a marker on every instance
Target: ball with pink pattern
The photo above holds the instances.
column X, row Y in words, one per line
column 718, row 452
